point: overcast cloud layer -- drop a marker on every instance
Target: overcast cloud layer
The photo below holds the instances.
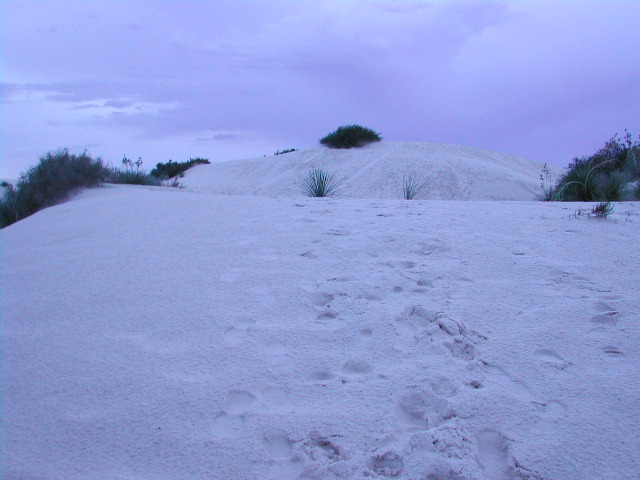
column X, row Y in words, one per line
column 547, row 80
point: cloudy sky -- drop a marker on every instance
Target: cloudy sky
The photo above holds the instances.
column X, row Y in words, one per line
column 225, row 79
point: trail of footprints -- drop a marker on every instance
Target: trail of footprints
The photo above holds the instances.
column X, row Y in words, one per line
column 424, row 423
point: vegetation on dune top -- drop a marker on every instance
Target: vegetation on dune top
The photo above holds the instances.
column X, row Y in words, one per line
column 350, row 136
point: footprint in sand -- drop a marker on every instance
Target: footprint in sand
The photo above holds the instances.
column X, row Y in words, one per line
column 357, row 366
column 321, row 299
column 606, row 318
column 611, row 351
column 321, row 376
column 277, row 444
column 238, row 402
column 240, row 329
column 230, row 421
column 420, row 408
column 389, row 464
column 461, row 348
column 225, row 425
column 551, row 358
column 494, row 456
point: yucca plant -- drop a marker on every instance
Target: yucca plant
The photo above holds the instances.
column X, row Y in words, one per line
column 602, row 209
column 412, row 185
column 613, row 187
column 319, row 183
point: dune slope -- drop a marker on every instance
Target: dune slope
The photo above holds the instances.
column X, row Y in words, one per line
column 451, row 172
column 161, row 333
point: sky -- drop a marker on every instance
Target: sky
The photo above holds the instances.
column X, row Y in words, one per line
column 160, row 80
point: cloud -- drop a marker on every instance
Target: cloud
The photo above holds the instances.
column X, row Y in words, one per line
column 486, row 73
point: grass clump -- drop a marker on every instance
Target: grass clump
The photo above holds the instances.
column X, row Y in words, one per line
column 412, row 185
column 602, row 176
column 602, row 209
column 132, row 173
column 173, row 169
column 319, row 183
column 56, row 177
column 350, row 136
column 286, row 150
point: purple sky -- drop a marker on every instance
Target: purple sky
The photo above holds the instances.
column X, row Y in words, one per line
column 547, row 80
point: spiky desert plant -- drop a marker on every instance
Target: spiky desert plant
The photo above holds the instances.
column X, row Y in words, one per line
column 578, row 184
column 412, row 185
column 319, row 183
column 350, row 136
column 613, row 187
column 602, row 209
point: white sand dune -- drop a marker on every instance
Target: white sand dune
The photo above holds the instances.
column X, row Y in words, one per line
column 158, row 333
column 451, row 172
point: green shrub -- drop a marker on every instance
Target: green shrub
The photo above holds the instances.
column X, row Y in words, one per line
column 636, row 191
column 350, row 136
column 601, row 176
column 286, row 150
column 577, row 185
column 58, row 175
column 319, row 183
column 172, row 169
column 612, row 187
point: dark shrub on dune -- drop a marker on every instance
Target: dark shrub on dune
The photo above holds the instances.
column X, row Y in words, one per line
column 350, row 136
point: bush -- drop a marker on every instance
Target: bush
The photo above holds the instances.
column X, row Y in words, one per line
column 319, row 183
column 577, row 185
column 636, row 191
column 601, row 176
column 350, row 136
column 172, row 169
column 58, row 175
column 286, row 150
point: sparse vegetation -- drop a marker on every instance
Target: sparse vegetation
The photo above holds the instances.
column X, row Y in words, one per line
column 286, row 150
column 173, row 169
column 131, row 173
column 602, row 209
column 58, row 175
column 412, row 185
column 602, row 176
column 319, row 183
column 350, row 136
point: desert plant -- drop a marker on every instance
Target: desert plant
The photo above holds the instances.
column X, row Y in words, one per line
column 602, row 209
column 319, row 183
column 286, row 150
column 172, row 169
column 601, row 176
column 9, row 206
column 131, row 173
column 57, row 176
column 412, row 185
column 613, row 187
column 549, row 191
column 350, row 136
column 578, row 184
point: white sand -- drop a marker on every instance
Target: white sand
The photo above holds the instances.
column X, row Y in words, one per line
column 452, row 172
column 156, row 333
